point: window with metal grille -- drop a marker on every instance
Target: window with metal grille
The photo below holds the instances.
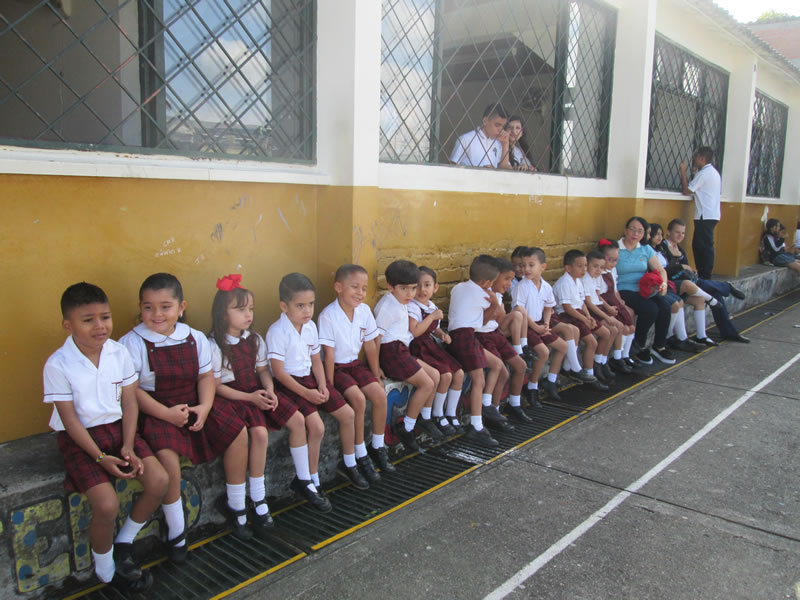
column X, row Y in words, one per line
column 549, row 62
column 767, row 141
column 228, row 78
column 688, row 101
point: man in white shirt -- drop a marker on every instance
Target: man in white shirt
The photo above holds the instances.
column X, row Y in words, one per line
column 705, row 186
column 486, row 145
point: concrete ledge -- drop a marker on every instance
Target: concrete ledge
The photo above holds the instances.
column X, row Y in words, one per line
column 44, row 530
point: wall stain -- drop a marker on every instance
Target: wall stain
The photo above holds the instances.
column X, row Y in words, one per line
column 216, row 235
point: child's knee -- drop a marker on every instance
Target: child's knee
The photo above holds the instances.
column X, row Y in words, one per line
column 590, row 341
column 241, row 439
column 296, row 423
column 517, row 364
column 542, row 351
column 105, row 505
column 356, row 399
column 155, row 479
column 478, row 378
column 446, row 379
column 344, row 414
column 458, row 379
column 315, row 427
column 258, row 436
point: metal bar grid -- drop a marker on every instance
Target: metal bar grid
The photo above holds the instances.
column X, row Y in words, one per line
column 767, row 144
column 219, row 77
column 548, row 61
column 688, row 103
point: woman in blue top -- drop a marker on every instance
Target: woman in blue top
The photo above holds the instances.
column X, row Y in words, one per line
column 635, row 260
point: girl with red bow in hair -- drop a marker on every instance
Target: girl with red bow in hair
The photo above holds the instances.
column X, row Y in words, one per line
column 180, row 416
column 239, row 355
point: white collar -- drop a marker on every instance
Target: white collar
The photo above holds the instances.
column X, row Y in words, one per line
column 232, row 340
column 288, row 325
column 429, row 306
column 72, row 349
column 622, row 246
column 344, row 314
column 182, row 331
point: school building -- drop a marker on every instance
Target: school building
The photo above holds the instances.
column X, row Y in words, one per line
column 267, row 136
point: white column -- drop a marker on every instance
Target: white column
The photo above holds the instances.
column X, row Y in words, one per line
column 630, row 106
column 738, row 123
column 348, row 90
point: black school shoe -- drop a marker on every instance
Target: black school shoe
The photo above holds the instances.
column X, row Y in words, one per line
column 407, row 438
column 242, row 532
column 599, row 374
column 353, row 475
column 367, row 468
column 707, row 341
column 736, row 292
column 608, row 372
column 132, row 588
column 533, row 397
column 482, row 437
column 688, row 345
column 644, row 357
column 315, row 499
column 447, row 429
column 124, row 563
column 381, row 457
column 664, row 355
column 552, row 391
column 620, row 366
column 261, row 524
column 492, row 418
column 516, row 413
column 178, row 554
column 429, row 427
column 455, row 422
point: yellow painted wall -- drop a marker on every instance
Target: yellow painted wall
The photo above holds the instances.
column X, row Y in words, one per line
column 114, row 232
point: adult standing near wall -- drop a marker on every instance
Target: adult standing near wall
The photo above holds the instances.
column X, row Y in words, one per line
column 635, row 259
column 705, row 186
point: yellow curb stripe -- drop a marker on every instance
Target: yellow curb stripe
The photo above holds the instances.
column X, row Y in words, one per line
column 255, row 578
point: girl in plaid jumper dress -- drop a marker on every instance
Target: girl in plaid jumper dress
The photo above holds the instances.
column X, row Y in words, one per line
column 179, row 414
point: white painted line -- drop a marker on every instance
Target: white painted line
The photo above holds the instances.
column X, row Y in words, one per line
column 531, row 568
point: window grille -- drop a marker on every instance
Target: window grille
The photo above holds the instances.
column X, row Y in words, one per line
column 767, row 142
column 232, row 78
column 548, row 61
column 688, row 102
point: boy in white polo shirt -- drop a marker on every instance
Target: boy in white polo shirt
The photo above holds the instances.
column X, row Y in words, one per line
column 396, row 360
column 293, row 352
column 91, row 382
column 486, row 145
column 345, row 326
column 571, row 309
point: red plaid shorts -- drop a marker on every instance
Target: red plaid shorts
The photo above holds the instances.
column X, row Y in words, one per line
column 250, row 413
column 283, row 412
column 334, row 403
column 466, row 349
column 426, row 349
column 397, row 362
column 496, row 343
column 83, row 471
column 534, row 339
column 346, row 375
column 582, row 327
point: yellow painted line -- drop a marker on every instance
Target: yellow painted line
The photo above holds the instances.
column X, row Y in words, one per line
column 83, row 593
column 255, row 578
column 347, row 532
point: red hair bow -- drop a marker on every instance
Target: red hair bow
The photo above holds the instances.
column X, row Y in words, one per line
column 604, row 242
column 229, row 282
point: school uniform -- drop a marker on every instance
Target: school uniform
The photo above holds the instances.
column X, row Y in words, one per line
column 608, row 295
column 467, row 303
column 347, row 337
column 492, row 339
column 534, row 300
column 168, row 368
column 424, row 346
column 239, row 373
column 474, row 149
column 295, row 349
column 570, row 291
column 96, row 393
column 591, row 290
column 391, row 317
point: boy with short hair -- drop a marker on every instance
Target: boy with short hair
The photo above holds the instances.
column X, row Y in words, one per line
column 91, row 382
column 293, row 352
column 571, row 308
column 604, row 313
column 535, row 295
column 516, row 260
column 345, row 326
column 396, row 360
column 492, row 336
column 471, row 307
column 486, row 145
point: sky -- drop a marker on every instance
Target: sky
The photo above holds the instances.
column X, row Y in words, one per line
column 746, row 11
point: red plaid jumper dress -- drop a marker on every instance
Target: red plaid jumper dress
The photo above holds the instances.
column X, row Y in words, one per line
column 425, row 348
column 611, row 298
column 175, row 368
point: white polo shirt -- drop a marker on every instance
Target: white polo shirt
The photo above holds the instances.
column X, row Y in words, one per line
column 519, row 156
column 491, row 325
column 474, row 149
column 534, row 300
column 568, row 291
column 706, row 187
column 346, row 337
column 391, row 317
column 134, row 342
column 591, row 288
column 468, row 300
column 224, row 372
column 95, row 392
column 293, row 348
